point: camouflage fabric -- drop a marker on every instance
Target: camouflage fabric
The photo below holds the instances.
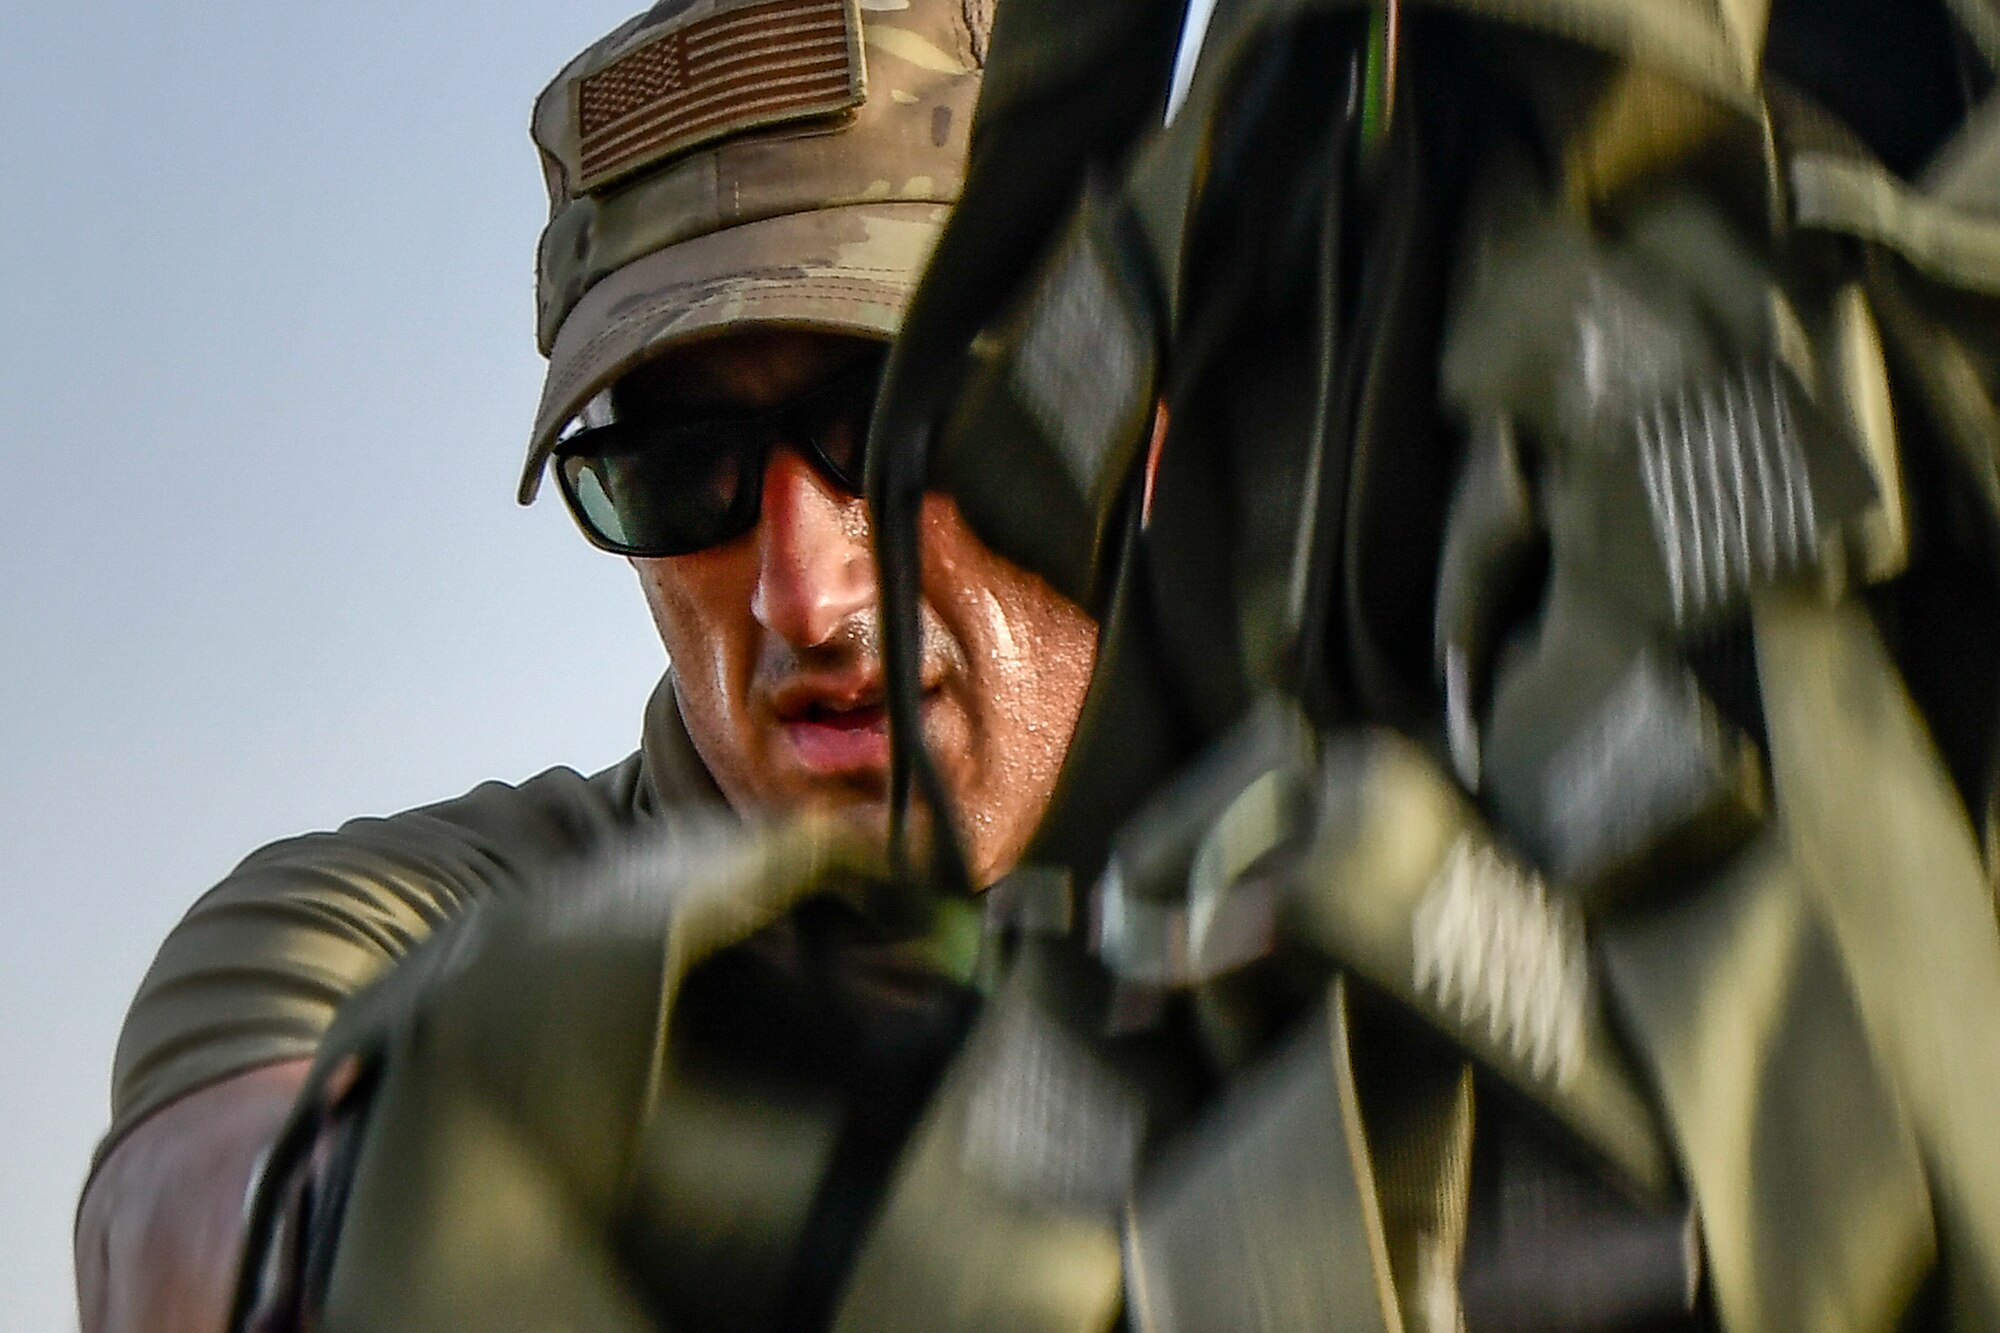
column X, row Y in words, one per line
column 794, row 160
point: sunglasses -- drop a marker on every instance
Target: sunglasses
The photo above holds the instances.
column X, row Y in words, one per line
column 672, row 487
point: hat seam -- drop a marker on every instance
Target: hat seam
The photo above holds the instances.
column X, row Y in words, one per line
column 805, row 290
column 548, row 421
column 833, row 205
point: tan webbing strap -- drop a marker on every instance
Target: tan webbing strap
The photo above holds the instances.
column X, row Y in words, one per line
column 1419, row 1118
column 1860, row 198
column 1814, row 1216
column 1889, row 856
column 1965, row 173
column 1645, row 124
column 1405, row 887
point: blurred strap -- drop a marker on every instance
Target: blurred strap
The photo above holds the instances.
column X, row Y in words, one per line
column 521, row 1066
column 1813, row 1209
column 773, row 872
column 1716, row 45
column 1279, row 1173
column 1473, row 942
column 1001, row 1212
column 1420, row 1121
column 1860, row 198
column 1892, row 861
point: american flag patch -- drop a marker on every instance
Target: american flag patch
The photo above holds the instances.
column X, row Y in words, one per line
column 733, row 69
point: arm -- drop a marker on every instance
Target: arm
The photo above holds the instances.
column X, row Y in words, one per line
column 160, row 1228
column 221, row 1033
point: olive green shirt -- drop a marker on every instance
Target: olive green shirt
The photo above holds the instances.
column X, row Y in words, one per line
column 255, row 970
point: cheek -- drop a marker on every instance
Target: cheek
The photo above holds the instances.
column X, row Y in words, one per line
column 701, row 607
column 1028, row 654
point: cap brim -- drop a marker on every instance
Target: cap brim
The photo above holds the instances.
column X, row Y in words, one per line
column 840, row 270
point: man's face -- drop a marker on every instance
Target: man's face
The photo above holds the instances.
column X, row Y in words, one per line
column 774, row 641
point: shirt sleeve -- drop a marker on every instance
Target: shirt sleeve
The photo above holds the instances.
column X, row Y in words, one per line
column 254, row 971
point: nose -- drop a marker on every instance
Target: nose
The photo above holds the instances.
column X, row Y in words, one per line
column 815, row 569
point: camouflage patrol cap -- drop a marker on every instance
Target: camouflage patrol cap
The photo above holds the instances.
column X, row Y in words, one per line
column 715, row 163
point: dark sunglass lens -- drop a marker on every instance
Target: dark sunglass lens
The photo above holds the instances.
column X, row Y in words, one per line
column 840, row 423
column 841, row 438
column 588, row 487
column 667, row 497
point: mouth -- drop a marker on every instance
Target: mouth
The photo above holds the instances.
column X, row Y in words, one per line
column 835, row 721
column 841, row 741
column 837, row 729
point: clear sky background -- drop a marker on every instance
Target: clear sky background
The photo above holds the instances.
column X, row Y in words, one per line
column 266, row 369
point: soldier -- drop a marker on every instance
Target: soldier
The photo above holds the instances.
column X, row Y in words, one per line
column 741, row 198
column 1525, row 860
